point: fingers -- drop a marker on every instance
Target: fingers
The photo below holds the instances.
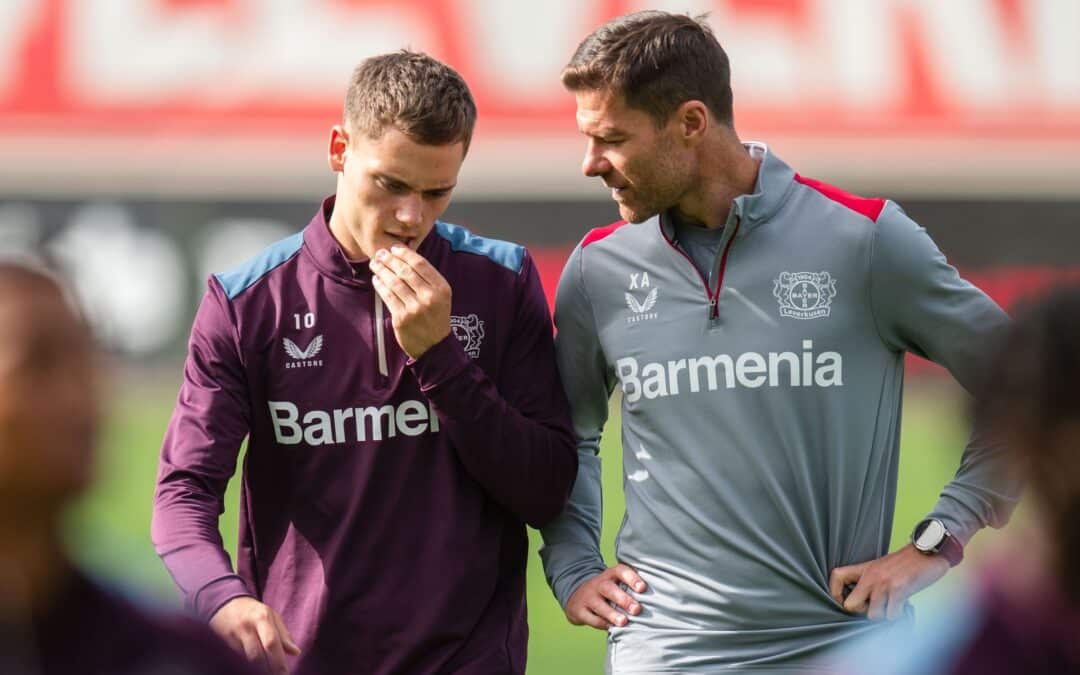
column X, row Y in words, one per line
column 394, row 291
column 250, row 646
column 587, row 607
column 611, row 592
column 895, row 609
column 404, row 256
column 394, row 267
column 603, row 602
column 628, row 576
column 291, row 648
column 389, row 297
column 256, row 631
column 412, row 268
column 879, row 600
column 272, row 647
column 857, row 601
column 843, row 577
column 585, row 617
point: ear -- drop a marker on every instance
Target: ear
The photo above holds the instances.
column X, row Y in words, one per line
column 339, row 145
column 693, row 121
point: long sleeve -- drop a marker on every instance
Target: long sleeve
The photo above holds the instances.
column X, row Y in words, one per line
column 922, row 305
column 571, row 551
column 513, row 436
column 198, row 457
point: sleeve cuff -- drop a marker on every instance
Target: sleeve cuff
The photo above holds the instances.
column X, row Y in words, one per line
column 565, row 587
column 441, row 362
column 213, row 596
column 952, row 550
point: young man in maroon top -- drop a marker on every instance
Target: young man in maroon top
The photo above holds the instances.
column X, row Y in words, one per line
column 54, row 619
column 394, row 376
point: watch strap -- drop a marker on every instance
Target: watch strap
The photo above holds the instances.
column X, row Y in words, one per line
column 952, row 550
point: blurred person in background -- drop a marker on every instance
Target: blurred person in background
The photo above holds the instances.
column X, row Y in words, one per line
column 757, row 322
column 395, row 379
column 1021, row 613
column 53, row 617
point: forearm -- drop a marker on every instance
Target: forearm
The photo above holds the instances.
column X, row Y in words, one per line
column 185, row 533
column 571, row 550
column 983, row 493
column 527, row 464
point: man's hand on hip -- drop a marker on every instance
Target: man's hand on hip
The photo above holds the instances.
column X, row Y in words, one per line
column 591, row 604
column 417, row 295
column 883, row 586
column 256, row 631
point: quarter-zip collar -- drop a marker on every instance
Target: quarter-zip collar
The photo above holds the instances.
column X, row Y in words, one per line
column 774, row 182
column 331, row 259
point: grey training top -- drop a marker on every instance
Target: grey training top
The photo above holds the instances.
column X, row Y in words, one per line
column 760, row 421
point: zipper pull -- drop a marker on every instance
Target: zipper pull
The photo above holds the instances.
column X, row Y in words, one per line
column 712, row 307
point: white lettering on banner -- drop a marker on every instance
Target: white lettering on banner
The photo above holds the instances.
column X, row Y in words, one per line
column 1057, row 50
column 129, row 278
column 849, row 51
column 967, row 42
column 750, row 370
column 16, row 17
column 811, row 66
column 321, row 427
column 531, row 46
column 137, row 51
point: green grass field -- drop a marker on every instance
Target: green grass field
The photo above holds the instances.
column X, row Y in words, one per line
column 110, row 530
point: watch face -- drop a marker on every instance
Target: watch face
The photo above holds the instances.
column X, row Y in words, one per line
column 931, row 536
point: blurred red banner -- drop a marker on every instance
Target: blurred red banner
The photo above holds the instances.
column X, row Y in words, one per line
column 888, row 68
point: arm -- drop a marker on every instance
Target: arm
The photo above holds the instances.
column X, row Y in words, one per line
column 922, row 305
column 198, row 457
column 513, row 436
column 571, row 550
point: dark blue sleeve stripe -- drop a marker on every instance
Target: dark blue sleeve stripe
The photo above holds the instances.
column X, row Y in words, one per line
column 242, row 277
column 504, row 253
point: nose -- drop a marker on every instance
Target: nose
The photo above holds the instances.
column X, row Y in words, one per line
column 410, row 210
column 594, row 164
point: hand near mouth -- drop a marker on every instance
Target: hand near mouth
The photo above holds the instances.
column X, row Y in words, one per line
column 417, row 295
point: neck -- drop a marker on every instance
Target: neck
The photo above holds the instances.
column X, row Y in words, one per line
column 339, row 229
column 32, row 564
column 727, row 171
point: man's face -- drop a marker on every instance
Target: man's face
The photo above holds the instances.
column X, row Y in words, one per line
column 390, row 189
column 48, row 397
column 647, row 170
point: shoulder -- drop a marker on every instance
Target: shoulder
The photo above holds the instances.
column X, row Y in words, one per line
column 601, row 246
column 597, row 251
column 482, row 250
column 249, row 273
column 833, row 197
column 598, row 234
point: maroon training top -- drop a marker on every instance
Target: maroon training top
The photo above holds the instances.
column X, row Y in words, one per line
column 384, row 500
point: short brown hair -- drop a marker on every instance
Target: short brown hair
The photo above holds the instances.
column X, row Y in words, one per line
column 419, row 96
column 656, row 61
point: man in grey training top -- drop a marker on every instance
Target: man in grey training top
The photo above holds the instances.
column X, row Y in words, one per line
column 756, row 322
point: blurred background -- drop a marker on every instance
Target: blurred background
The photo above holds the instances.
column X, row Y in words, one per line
column 147, row 143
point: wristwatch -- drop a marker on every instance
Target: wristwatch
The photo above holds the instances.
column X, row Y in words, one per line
column 931, row 537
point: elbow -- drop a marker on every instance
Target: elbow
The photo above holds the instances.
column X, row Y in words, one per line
column 555, row 492
column 541, row 515
column 160, row 529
